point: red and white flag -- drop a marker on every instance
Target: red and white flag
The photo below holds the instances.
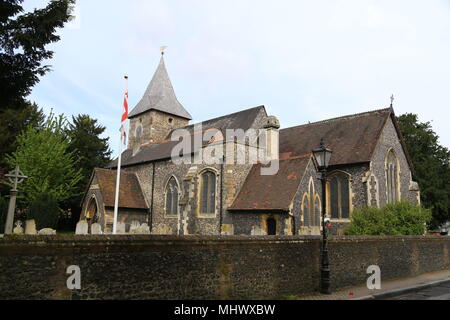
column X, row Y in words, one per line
column 124, row 120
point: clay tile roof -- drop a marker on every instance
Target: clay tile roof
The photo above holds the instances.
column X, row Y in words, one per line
column 160, row 95
column 271, row 193
column 130, row 196
column 163, row 150
column 352, row 138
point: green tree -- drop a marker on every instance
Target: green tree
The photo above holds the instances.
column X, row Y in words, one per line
column 399, row 219
column 91, row 151
column 13, row 122
column 432, row 165
column 45, row 210
column 23, row 40
column 89, row 148
column 44, row 156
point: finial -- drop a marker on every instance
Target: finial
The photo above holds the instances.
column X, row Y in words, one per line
column 322, row 142
column 163, row 48
column 392, row 101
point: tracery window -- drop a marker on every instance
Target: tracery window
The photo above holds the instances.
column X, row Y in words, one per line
column 172, row 196
column 339, row 196
column 392, row 177
column 306, row 212
column 208, row 193
column 311, row 208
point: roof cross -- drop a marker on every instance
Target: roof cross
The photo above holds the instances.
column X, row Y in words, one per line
column 392, row 100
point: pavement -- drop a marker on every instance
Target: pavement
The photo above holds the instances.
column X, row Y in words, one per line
column 429, row 286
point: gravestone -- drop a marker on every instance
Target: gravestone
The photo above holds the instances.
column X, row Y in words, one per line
column 121, row 228
column 96, row 229
column 82, row 228
column 47, row 232
column 135, row 225
column 18, row 229
column 30, row 227
column 143, row 229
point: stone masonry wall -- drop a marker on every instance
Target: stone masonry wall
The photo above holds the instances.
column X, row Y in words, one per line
column 154, row 126
column 390, row 140
column 189, row 221
column 167, row 267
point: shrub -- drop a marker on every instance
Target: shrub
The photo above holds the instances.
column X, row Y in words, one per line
column 44, row 209
column 399, row 219
column 3, row 213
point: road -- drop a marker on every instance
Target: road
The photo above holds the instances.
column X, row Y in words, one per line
column 440, row 292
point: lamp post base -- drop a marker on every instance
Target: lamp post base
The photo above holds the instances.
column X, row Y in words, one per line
column 325, row 283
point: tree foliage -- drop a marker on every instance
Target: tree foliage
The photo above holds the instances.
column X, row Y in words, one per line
column 23, row 40
column 400, row 219
column 13, row 122
column 43, row 155
column 89, row 148
column 45, row 211
column 24, row 37
column 91, row 151
column 432, row 165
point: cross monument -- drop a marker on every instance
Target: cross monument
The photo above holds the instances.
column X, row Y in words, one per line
column 15, row 177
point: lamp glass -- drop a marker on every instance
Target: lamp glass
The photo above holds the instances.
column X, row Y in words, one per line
column 322, row 156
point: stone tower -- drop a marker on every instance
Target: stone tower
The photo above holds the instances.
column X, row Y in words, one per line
column 158, row 112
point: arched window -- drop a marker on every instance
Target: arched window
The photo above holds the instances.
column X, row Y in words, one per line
column 92, row 209
column 208, row 193
column 311, row 208
column 339, row 197
column 306, row 213
column 172, row 196
column 317, row 211
column 271, row 227
column 392, row 177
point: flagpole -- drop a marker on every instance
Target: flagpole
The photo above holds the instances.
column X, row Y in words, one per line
column 116, row 203
column 119, row 164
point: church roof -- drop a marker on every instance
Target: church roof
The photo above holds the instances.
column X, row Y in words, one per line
column 352, row 138
column 160, row 96
column 163, row 150
column 262, row 193
column 130, row 196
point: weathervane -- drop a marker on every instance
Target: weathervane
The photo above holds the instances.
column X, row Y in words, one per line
column 163, row 48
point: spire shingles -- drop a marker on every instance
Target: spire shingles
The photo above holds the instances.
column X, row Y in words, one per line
column 160, row 96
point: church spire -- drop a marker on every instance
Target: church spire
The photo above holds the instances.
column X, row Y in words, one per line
column 160, row 95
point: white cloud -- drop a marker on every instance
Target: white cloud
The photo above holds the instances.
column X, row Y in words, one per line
column 304, row 59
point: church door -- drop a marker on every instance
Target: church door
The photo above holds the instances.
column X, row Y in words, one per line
column 91, row 213
column 271, row 227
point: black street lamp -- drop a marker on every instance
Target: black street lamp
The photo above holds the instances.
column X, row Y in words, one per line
column 322, row 155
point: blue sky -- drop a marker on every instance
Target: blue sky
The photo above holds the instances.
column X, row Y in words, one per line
column 304, row 60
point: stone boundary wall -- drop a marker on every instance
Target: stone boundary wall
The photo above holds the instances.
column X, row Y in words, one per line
column 203, row 267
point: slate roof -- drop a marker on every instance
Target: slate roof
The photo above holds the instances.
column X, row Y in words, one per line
column 163, row 150
column 130, row 195
column 353, row 138
column 160, row 96
column 271, row 193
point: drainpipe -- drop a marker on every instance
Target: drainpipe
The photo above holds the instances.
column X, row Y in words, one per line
column 153, row 196
column 222, row 166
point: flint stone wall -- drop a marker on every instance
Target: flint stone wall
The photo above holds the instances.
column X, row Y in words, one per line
column 194, row 267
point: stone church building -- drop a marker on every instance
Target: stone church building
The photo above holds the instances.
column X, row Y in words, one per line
column 370, row 166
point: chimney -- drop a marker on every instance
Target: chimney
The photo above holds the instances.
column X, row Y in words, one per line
column 272, row 128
